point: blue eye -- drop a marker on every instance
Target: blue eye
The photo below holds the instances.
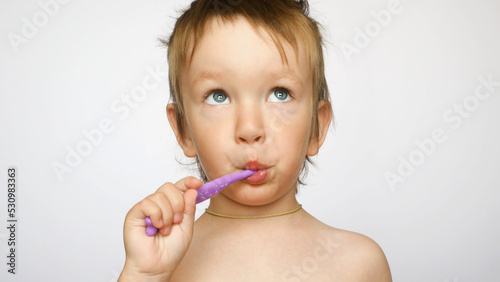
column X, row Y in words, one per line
column 279, row 95
column 217, row 98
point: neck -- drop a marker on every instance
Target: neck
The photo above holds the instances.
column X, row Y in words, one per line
column 224, row 205
column 243, row 227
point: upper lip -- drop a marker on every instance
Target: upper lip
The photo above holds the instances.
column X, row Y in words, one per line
column 254, row 165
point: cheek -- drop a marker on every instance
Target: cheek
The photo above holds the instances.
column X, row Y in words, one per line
column 208, row 130
column 289, row 130
column 212, row 155
column 205, row 121
column 290, row 123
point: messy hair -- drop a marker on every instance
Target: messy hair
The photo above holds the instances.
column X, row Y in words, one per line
column 283, row 20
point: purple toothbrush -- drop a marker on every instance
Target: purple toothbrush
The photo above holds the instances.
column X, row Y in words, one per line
column 207, row 191
column 214, row 187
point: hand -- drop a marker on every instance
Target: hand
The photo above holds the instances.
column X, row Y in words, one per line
column 171, row 209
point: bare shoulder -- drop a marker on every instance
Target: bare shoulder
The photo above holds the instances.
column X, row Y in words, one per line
column 357, row 257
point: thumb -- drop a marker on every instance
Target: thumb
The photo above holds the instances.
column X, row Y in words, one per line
column 189, row 185
column 189, row 211
column 190, row 202
column 189, row 182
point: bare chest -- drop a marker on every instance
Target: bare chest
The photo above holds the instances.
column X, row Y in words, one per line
column 248, row 260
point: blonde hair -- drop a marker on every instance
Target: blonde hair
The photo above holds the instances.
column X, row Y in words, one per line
column 282, row 19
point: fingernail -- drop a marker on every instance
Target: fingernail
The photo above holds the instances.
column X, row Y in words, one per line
column 167, row 230
column 178, row 217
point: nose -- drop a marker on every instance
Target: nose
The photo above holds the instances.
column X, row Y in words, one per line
column 249, row 124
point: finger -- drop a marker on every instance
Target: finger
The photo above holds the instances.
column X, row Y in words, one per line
column 189, row 182
column 167, row 215
column 159, row 215
column 189, row 211
column 176, row 200
column 141, row 210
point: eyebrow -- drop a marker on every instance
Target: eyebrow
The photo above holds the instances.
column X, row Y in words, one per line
column 206, row 75
column 290, row 75
column 210, row 74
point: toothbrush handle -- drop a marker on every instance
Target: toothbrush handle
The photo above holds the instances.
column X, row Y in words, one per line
column 212, row 188
column 150, row 229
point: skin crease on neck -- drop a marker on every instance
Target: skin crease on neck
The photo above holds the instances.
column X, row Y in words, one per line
column 252, row 125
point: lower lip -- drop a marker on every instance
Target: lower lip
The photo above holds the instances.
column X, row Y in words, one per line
column 257, row 178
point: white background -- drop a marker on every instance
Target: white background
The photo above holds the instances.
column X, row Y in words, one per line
column 440, row 224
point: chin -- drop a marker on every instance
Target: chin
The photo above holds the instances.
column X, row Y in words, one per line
column 253, row 195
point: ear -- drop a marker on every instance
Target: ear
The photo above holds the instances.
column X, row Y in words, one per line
column 324, row 119
column 183, row 138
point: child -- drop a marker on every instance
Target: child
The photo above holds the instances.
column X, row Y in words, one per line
column 248, row 92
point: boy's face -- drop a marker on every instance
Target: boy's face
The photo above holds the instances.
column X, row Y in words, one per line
column 246, row 110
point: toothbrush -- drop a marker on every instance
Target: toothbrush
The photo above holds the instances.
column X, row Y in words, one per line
column 207, row 191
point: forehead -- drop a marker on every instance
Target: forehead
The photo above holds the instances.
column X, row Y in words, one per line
column 236, row 46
